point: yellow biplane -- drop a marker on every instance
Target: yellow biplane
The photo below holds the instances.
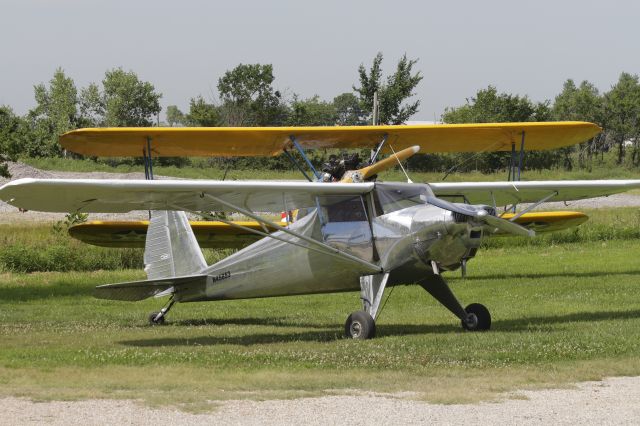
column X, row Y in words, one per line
column 400, row 141
column 350, row 232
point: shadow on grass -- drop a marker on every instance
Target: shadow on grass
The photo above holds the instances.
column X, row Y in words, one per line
column 527, row 323
column 532, row 275
column 333, row 332
column 270, row 321
column 245, row 340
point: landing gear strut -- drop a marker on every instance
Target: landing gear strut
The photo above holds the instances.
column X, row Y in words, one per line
column 157, row 318
column 362, row 324
column 475, row 317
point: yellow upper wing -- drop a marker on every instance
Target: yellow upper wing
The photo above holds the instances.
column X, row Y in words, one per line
column 270, row 141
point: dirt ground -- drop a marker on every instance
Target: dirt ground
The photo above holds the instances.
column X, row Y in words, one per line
column 614, row 401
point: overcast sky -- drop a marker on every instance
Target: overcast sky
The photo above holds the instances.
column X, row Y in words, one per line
column 183, row 47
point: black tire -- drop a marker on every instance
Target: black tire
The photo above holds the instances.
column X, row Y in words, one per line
column 153, row 321
column 360, row 325
column 478, row 318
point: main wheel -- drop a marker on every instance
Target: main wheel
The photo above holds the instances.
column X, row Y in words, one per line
column 153, row 321
column 478, row 318
column 360, row 325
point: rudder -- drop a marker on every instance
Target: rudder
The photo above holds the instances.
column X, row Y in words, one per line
column 171, row 248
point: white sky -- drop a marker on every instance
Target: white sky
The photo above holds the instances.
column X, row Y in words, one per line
column 183, row 47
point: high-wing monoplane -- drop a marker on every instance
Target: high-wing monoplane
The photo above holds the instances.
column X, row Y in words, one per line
column 350, row 233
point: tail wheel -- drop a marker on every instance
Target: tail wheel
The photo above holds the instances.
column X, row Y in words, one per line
column 478, row 318
column 360, row 325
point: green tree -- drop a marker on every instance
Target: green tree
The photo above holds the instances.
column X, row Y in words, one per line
column 91, row 105
column 11, row 128
column 128, row 101
column 489, row 106
column 312, row 112
column 175, row 117
column 55, row 113
column 393, row 93
column 581, row 103
column 123, row 101
column 248, row 97
column 202, row 114
column 349, row 111
column 622, row 112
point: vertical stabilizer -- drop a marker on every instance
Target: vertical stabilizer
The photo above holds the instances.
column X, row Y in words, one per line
column 171, row 249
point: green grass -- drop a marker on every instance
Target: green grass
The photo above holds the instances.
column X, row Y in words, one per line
column 561, row 313
column 37, row 247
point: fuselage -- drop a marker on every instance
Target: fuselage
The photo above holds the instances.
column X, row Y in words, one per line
column 392, row 228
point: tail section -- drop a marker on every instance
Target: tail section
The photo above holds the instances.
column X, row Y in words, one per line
column 171, row 249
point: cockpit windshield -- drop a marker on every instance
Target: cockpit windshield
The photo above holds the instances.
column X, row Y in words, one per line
column 390, row 197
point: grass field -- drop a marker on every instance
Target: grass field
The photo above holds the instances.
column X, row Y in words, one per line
column 562, row 313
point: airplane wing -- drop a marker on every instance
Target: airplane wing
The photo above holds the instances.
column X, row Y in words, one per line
column 503, row 193
column 270, row 141
column 132, row 234
column 212, row 234
column 121, row 196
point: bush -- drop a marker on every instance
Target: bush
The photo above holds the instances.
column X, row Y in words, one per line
column 67, row 257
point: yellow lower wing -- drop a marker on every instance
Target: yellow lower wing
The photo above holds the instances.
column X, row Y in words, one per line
column 548, row 221
column 132, row 234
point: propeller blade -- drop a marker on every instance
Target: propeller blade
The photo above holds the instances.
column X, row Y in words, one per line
column 382, row 165
column 508, row 226
column 483, row 216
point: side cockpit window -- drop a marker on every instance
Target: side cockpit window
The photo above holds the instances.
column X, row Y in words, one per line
column 345, row 224
column 343, row 209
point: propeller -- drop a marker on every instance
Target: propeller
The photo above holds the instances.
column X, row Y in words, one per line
column 482, row 215
column 365, row 173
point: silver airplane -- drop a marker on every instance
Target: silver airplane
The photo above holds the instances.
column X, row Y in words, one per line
column 348, row 236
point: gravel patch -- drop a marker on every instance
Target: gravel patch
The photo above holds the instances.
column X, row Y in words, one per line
column 613, row 401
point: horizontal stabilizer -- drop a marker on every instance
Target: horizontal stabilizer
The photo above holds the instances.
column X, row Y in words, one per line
column 139, row 290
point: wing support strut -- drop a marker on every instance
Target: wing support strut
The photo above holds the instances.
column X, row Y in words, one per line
column 515, row 165
column 146, row 157
column 327, row 249
column 534, row 205
column 374, row 154
column 304, row 156
column 148, row 163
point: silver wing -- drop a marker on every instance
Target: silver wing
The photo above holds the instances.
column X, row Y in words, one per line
column 121, row 196
column 503, row 193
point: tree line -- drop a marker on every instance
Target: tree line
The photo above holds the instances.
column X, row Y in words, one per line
column 247, row 97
